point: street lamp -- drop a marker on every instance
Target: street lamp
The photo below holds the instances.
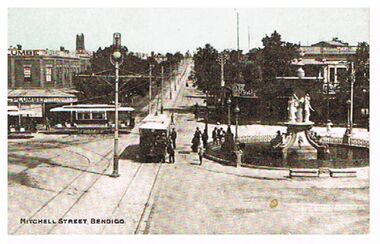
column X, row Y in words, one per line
column 116, row 59
column 229, row 111
column 347, row 133
column 237, row 111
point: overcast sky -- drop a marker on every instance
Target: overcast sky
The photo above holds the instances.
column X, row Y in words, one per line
column 170, row 30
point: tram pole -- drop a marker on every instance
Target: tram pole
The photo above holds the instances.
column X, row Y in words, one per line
column 162, row 89
column 150, row 88
column 116, row 59
column 115, row 172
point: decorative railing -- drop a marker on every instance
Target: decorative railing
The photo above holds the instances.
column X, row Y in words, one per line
column 325, row 139
column 256, row 139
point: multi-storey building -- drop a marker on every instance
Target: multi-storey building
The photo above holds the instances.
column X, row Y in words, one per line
column 40, row 79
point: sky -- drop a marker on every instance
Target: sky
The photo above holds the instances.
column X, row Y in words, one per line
column 170, row 29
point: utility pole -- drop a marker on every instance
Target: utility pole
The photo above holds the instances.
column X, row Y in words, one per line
column 249, row 39
column 162, row 89
column 116, row 58
column 237, row 32
column 352, row 97
column 150, row 88
column 175, row 80
column 170, row 82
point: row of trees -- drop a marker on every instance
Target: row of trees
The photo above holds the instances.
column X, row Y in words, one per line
column 259, row 68
column 101, row 90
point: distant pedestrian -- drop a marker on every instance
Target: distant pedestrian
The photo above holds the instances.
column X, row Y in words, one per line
column 204, row 139
column 200, row 154
column 195, row 142
column 47, row 123
column 173, row 137
column 328, row 127
column 198, row 133
column 172, row 119
column 196, row 110
column 219, row 135
column 171, row 153
column 215, row 136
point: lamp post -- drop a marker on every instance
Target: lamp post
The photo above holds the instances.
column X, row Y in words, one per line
column 237, row 111
column 116, row 59
column 229, row 112
column 222, row 59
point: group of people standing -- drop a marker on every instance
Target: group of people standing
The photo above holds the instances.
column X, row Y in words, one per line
column 218, row 135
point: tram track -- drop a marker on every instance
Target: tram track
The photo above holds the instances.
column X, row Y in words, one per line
column 44, row 205
column 90, row 163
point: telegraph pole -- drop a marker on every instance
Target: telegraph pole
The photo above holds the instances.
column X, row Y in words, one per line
column 352, row 97
column 150, row 88
column 237, row 32
column 170, row 82
column 162, row 89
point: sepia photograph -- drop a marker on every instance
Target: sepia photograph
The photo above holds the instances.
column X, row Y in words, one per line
column 141, row 121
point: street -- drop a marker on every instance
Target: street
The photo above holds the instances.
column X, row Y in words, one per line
column 53, row 177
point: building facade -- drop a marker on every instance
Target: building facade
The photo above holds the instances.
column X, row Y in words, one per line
column 40, row 79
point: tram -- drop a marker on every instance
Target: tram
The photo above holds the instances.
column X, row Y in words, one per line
column 91, row 118
column 154, row 133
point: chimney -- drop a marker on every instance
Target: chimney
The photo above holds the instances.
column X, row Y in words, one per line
column 19, row 47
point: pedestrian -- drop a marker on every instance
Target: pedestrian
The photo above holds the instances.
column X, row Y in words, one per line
column 219, row 135
column 200, row 154
column 198, row 133
column 173, row 137
column 204, row 139
column 172, row 119
column 47, row 123
column 214, row 136
column 195, row 142
column 328, row 127
column 222, row 135
column 196, row 108
column 171, row 153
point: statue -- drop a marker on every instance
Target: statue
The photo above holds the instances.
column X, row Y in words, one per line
column 292, row 108
column 308, row 107
column 300, row 109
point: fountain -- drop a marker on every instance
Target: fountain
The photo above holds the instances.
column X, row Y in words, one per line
column 299, row 142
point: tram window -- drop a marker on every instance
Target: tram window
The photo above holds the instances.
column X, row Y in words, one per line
column 98, row 116
column 84, row 116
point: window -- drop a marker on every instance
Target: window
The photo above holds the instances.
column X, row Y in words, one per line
column 98, row 116
column 84, row 116
column 48, row 73
column 341, row 73
column 27, row 73
column 332, row 75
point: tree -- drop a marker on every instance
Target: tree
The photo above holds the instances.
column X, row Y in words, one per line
column 206, row 68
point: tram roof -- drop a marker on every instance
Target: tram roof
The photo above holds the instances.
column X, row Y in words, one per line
column 90, row 108
column 156, row 122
